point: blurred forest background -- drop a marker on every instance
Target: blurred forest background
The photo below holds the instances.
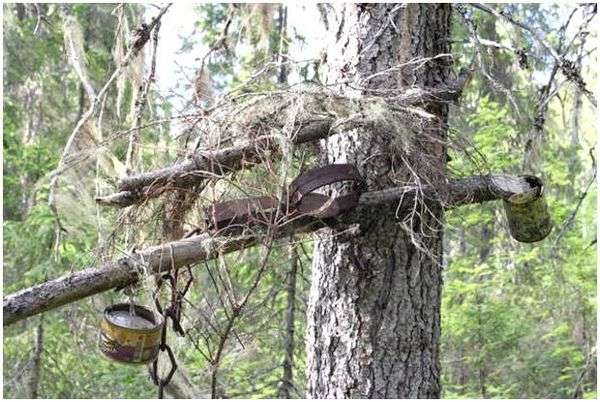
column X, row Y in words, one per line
column 518, row 320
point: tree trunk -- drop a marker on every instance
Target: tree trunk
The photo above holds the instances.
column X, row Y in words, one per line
column 374, row 314
column 33, row 378
column 287, row 380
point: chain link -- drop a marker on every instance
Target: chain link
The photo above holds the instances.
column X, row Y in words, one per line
column 172, row 311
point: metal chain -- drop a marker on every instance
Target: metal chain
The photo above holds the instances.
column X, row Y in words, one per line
column 173, row 311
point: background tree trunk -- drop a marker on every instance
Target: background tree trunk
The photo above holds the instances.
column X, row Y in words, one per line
column 32, row 380
column 287, row 380
column 374, row 314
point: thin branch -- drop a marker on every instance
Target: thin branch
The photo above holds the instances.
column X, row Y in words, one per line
column 39, row 16
column 140, row 104
column 477, row 45
column 547, row 93
column 237, row 310
column 564, row 64
column 581, row 197
column 143, row 35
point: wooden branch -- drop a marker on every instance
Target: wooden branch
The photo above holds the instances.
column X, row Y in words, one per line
column 72, row 287
column 208, row 163
column 205, row 164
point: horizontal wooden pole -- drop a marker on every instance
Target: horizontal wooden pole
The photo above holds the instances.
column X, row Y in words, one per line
column 205, row 164
column 124, row 271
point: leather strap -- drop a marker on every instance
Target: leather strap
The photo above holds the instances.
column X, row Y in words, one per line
column 301, row 199
column 319, row 177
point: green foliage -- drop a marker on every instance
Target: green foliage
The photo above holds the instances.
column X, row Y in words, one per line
column 518, row 320
column 41, row 105
column 71, row 365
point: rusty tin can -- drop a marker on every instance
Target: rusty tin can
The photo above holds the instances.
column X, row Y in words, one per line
column 527, row 213
column 130, row 339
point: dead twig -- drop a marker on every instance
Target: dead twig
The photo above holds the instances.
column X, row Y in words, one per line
column 565, row 65
column 140, row 39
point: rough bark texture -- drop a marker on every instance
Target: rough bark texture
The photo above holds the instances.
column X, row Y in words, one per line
column 123, row 272
column 374, row 315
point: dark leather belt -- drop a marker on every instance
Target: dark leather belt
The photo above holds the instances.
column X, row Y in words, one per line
column 301, row 200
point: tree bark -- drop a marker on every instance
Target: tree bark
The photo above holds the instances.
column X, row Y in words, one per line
column 374, row 313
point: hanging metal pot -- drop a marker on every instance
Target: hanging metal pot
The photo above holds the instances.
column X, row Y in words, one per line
column 128, row 338
column 527, row 213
